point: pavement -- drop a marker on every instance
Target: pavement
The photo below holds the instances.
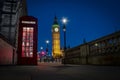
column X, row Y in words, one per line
column 58, row 71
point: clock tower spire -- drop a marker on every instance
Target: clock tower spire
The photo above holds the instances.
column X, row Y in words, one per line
column 56, row 53
column 55, row 20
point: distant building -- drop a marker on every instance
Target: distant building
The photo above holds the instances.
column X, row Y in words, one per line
column 56, row 52
column 102, row 51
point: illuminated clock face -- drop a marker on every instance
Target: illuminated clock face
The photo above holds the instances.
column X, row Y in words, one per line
column 56, row 29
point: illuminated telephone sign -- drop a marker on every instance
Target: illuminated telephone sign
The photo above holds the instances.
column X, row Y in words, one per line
column 27, row 41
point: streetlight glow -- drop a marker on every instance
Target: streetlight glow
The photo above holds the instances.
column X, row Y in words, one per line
column 96, row 44
column 64, row 20
column 47, row 41
column 41, row 47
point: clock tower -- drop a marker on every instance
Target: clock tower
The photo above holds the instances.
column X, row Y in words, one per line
column 56, row 53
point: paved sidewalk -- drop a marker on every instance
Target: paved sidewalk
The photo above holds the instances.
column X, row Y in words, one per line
column 57, row 71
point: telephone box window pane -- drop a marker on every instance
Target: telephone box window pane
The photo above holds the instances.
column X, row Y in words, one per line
column 23, row 43
column 31, row 53
column 24, row 33
column 27, row 42
column 31, row 49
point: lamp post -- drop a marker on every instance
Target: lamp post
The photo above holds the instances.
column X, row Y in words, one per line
column 47, row 42
column 64, row 30
column 40, row 55
column 64, row 21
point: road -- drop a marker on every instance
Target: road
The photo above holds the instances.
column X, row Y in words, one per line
column 57, row 71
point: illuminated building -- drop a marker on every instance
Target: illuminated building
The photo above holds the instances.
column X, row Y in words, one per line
column 56, row 53
column 27, row 44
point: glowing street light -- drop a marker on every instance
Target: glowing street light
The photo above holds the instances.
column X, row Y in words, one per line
column 96, row 44
column 41, row 48
column 64, row 20
column 47, row 42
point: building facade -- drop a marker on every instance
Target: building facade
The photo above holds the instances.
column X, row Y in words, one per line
column 56, row 53
column 10, row 11
column 102, row 51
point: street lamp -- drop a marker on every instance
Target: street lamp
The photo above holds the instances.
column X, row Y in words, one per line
column 40, row 55
column 64, row 21
column 47, row 42
column 41, row 48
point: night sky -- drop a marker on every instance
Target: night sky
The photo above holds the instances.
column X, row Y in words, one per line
column 89, row 19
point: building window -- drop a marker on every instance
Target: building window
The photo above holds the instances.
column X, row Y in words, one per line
column 7, row 7
column 5, row 19
column 27, row 42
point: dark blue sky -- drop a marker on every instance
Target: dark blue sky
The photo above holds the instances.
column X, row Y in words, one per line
column 90, row 19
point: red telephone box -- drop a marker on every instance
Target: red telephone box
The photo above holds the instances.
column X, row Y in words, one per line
column 27, row 40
